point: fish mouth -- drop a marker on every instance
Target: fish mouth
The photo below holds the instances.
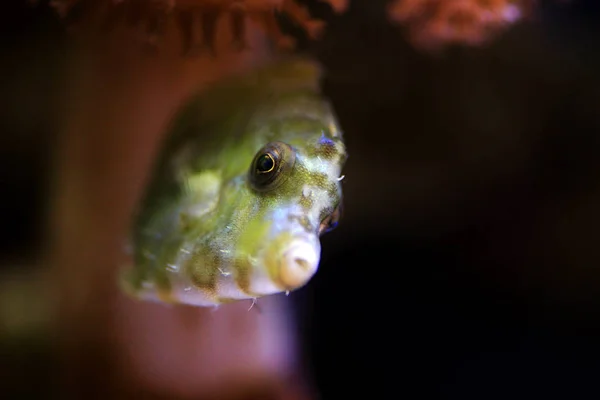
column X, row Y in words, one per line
column 291, row 261
column 298, row 262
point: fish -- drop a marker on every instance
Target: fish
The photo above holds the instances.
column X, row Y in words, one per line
column 246, row 182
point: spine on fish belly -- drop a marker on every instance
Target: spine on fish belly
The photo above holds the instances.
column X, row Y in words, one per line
column 246, row 182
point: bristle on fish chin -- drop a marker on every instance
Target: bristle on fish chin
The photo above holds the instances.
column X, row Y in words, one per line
column 195, row 20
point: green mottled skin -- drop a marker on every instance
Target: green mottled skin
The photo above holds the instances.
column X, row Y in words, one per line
column 201, row 227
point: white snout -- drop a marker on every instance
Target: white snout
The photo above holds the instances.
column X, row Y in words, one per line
column 299, row 262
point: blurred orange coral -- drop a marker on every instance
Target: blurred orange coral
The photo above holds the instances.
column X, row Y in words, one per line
column 430, row 24
column 152, row 17
column 434, row 23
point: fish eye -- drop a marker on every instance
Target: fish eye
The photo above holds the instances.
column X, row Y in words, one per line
column 271, row 166
column 265, row 164
column 331, row 221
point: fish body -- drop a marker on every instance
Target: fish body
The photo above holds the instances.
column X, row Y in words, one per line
column 248, row 179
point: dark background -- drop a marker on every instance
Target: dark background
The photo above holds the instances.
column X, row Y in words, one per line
column 467, row 264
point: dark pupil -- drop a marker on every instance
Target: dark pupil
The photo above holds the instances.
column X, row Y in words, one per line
column 265, row 163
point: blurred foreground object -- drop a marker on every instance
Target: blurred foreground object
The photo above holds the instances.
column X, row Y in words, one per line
column 116, row 110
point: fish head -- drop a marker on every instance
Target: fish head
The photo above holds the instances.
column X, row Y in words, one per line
column 290, row 195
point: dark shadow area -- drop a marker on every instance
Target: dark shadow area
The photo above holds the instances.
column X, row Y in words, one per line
column 467, row 262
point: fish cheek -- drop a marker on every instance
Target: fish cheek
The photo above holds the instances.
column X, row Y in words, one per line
column 202, row 268
column 254, row 233
column 253, row 238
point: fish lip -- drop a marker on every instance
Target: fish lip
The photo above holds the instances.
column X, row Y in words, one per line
column 285, row 266
column 298, row 262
